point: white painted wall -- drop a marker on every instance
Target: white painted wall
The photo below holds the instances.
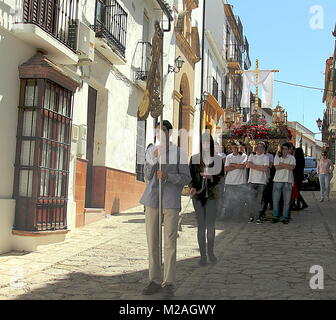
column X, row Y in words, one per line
column 12, row 54
column 117, row 104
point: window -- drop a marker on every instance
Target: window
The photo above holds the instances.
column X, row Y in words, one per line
column 42, row 155
column 101, row 11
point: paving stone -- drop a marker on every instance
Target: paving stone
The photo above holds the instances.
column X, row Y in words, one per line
column 108, row 260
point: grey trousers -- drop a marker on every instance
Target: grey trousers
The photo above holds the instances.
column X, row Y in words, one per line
column 171, row 218
column 255, row 199
column 206, row 225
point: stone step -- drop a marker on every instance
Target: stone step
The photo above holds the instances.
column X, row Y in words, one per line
column 93, row 214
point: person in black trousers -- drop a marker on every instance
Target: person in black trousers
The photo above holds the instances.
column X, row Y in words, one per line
column 298, row 177
column 207, row 170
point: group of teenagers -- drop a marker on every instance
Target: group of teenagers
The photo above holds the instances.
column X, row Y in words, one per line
column 235, row 183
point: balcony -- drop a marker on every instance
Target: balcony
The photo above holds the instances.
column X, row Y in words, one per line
column 142, row 62
column 111, row 30
column 50, row 25
column 235, row 23
column 234, row 57
column 239, row 25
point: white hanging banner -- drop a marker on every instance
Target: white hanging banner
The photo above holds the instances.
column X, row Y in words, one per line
column 267, row 91
column 248, row 81
column 266, row 79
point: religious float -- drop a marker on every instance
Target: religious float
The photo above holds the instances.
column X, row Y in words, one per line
column 257, row 128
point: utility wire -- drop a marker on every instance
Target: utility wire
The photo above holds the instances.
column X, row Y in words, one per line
column 302, row 86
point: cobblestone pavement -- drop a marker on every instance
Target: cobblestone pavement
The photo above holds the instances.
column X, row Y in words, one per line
column 108, row 260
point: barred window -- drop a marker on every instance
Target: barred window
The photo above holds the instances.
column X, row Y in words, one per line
column 42, row 155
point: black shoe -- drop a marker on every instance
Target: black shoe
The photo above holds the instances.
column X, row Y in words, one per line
column 305, row 206
column 275, row 220
column 286, row 221
column 151, row 289
column 259, row 221
column 203, row 261
column 212, row 259
column 251, row 220
column 168, row 291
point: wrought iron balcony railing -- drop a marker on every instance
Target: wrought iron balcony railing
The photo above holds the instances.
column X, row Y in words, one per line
column 58, row 18
column 240, row 25
column 142, row 60
column 111, row 24
column 233, row 53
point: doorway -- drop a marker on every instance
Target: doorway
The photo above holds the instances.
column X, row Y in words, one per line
column 91, row 119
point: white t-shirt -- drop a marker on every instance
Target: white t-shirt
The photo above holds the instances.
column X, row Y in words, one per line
column 237, row 176
column 284, row 175
column 257, row 176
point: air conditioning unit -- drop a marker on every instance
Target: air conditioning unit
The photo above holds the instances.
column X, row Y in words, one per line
column 85, row 42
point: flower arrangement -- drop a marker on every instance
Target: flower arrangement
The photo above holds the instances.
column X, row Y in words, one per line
column 257, row 129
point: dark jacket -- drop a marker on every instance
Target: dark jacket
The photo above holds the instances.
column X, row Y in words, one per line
column 299, row 169
column 197, row 179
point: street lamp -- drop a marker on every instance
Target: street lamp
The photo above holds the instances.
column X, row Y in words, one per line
column 178, row 65
column 203, row 99
column 319, row 123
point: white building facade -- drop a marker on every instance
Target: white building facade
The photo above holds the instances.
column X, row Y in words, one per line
column 73, row 76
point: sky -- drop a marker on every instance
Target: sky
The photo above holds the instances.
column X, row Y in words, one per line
column 285, row 35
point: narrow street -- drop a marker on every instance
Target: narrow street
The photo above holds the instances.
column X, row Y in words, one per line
column 108, row 260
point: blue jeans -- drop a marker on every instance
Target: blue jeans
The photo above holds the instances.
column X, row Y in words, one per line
column 279, row 188
column 325, row 185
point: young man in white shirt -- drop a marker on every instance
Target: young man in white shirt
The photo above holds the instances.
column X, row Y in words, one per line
column 258, row 164
column 235, row 180
column 283, row 182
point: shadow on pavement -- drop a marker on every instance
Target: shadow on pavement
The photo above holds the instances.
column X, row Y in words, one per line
column 84, row 286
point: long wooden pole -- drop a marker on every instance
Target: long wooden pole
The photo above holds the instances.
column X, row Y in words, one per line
column 160, row 162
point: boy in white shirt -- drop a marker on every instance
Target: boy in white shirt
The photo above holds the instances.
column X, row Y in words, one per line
column 258, row 164
column 235, row 181
column 283, row 182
